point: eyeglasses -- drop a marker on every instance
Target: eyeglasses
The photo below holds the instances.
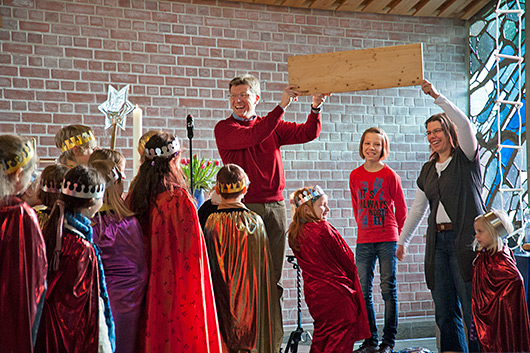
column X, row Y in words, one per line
column 435, row 131
column 240, row 96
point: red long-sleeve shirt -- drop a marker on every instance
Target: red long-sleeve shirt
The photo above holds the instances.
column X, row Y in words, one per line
column 255, row 145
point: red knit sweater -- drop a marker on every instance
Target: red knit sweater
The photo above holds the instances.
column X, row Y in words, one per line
column 255, row 145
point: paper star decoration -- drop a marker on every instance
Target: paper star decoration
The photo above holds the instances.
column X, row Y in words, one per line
column 116, row 107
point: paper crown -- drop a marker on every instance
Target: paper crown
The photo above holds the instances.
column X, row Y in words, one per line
column 20, row 160
column 50, row 186
column 231, row 188
column 82, row 191
column 165, row 151
column 496, row 222
column 77, row 140
column 311, row 194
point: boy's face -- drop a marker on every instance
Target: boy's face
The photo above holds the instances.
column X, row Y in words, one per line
column 243, row 101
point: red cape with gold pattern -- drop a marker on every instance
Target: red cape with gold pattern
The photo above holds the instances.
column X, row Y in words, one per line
column 499, row 307
column 23, row 268
column 332, row 289
column 180, row 314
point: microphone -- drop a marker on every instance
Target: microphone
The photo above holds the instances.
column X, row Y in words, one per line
column 189, row 124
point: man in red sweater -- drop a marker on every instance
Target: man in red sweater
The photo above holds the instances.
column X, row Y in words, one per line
column 254, row 142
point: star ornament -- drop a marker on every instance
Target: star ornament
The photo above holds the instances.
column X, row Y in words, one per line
column 116, row 107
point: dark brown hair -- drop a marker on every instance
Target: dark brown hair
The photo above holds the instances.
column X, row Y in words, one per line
column 52, row 175
column 231, row 174
column 449, row 128
column 155, row 176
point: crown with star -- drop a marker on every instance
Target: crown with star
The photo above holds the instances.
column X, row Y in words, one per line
column 310, row 194
column 232, row 188
column 164, row 151
column 83, row 191
column 20, row 160
column 77, row 140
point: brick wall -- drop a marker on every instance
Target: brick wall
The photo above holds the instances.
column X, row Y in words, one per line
column 58, row 58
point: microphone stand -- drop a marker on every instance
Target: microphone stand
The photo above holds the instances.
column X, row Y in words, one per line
column 189, row 125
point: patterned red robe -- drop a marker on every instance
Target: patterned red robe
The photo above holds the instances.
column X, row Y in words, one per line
column 499, row 305
column 332, row 289
column 180, row 314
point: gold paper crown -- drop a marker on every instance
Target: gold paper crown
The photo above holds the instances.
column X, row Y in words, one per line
column 20, row 160
column 231, row 188
column 77, row 140
column 311, row 194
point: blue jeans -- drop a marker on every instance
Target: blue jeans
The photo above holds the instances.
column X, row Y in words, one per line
column 366, row 256
column 451, row 295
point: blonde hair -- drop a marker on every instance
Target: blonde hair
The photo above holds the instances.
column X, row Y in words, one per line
column 251, row 81
column 498, row 242
column 71, row 131
column 385, row 148
column 114, row 188
column 12, row 146
column 301, row 215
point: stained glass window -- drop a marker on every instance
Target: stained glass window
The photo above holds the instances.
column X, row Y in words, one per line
column 483, row 111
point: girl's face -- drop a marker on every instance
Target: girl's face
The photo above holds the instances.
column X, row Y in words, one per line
column 437, row 138
column 372, row 147
column 483, row 235
column 320, row 207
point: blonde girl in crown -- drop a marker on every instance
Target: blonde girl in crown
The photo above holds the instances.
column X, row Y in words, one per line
column 76, row 142
column 180, row 308
column 499, row 307
column 77, row 315
column 241, row 266
column 331, row 282
column 23, row 264
column 119, row 236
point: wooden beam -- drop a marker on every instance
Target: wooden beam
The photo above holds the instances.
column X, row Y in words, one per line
column 324, row 4
column 377, row 6
column 295, row 3
column 429, row 8
column 404, row 7
column 473, row 8
column 357, row 70
column 450, row 9
column 350, row 5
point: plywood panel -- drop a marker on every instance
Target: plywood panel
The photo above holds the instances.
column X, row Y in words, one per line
column 357, row 70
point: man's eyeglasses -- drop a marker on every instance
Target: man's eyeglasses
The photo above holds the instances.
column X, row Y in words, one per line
column 435, row 131
column 240, row 96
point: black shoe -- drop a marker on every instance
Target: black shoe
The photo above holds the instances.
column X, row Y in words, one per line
column 366, row 348
column 385, row 348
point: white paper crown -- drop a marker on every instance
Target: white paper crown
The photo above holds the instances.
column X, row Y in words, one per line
column 50, row 186
column 82, row 191
column 311, row 194
column 164, row 151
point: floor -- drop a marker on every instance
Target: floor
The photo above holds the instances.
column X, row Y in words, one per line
column 404, row 346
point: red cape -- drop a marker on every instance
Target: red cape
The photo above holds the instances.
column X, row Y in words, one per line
column 499, row 307
column 23, row 268
column 180, row 314
column 332, row 289
column 70, row 321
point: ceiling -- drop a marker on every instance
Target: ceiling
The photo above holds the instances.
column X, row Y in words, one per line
column 461, row 9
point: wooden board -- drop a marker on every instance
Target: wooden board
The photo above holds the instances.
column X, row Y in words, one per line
column 357, row 70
